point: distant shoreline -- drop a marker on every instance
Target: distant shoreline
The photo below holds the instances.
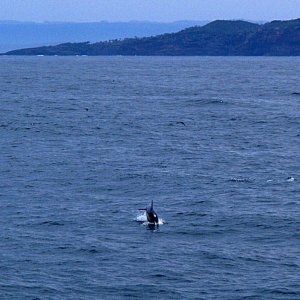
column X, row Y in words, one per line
column 218, row 38
column 21, row 35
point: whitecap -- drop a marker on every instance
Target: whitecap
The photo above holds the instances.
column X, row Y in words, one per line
column 290, row 179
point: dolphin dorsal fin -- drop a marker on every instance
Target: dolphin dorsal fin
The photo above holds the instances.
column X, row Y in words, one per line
column 151, row 204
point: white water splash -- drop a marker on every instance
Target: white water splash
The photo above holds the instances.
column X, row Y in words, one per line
column 142, row 218
column 290, row 179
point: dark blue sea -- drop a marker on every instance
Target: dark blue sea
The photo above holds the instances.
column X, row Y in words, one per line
column 86, row 142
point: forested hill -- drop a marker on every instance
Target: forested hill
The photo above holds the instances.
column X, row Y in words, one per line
column 218, row 38
column 17, row 35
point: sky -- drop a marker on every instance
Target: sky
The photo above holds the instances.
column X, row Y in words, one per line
column 147, row 10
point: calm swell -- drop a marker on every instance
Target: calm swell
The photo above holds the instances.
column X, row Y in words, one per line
column 86, row 142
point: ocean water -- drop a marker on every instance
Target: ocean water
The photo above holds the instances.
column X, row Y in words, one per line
column 86, row 142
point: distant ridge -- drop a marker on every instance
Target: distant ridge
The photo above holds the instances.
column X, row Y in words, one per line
column 218, row 38
column 16, row 34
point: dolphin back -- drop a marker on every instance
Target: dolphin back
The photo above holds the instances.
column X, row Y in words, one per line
column 151, row 214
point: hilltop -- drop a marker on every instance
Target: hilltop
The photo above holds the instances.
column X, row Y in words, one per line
column 218, row 38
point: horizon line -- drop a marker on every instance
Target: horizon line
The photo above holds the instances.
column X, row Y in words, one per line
column 140, row 21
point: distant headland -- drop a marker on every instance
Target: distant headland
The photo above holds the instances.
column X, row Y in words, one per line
column 218, row 38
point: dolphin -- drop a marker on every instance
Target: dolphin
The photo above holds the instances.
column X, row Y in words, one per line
column 151, row 214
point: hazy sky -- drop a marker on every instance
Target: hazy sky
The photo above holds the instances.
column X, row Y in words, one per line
column 152, row 10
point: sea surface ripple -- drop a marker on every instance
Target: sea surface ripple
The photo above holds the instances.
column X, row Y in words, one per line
column 87, row 141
